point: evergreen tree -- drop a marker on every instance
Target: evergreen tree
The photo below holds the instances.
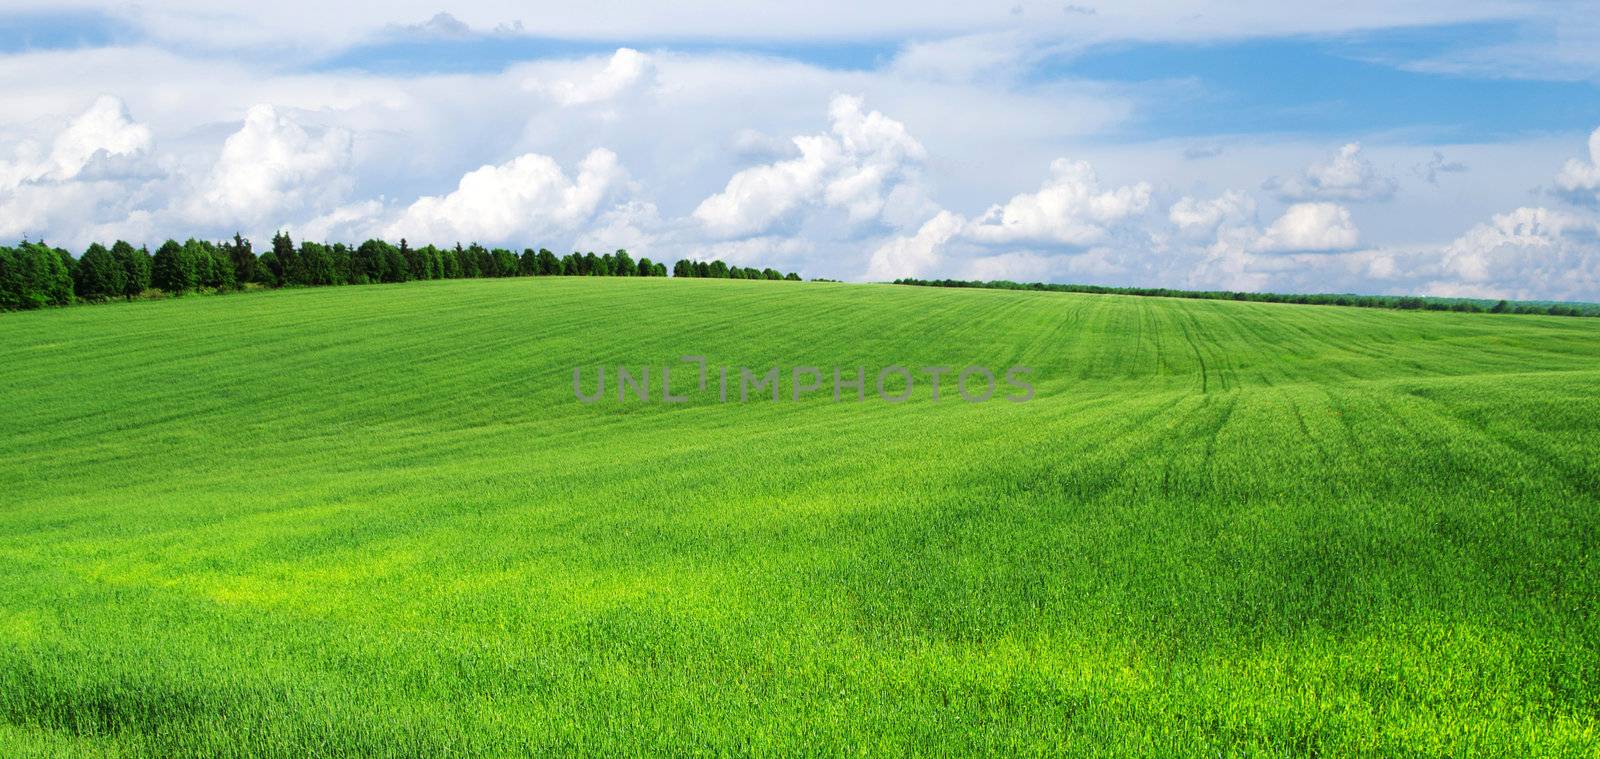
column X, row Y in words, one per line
column 10, row 281
column 267, row 269
column 99, row 275
column 505, row 262
column 394, row 266
column 451, row 260
column 67, row 262
column 243, row 258
column 471, row 265
column 622, row 264
column 171, row 271
column 212, row 267
column 369, row 262
column 135, row 268
column 289, row 270
column 432, row 262
column 415, row 268
column 33, row 276
column 343, row 263
column 549, row 265
column 318, row 264
column 227, row 277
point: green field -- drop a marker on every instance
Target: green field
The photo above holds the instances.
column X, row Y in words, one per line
column 374, row 520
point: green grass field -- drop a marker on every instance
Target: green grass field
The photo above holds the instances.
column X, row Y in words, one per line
column 374, row 520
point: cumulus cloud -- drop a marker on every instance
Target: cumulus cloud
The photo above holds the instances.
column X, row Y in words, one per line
column 628, row 70
column 1526, row 253
column 1019, row 266
column 347, row 222
column 1529, row 252
column 1579, row 180
column 1070, row 209
column 847, row 168
column 104, row 131
column 270, row 168
column 633, row 225
column 1310, row 227
column 91, row 175
column 522, row 198
column 1202, row 217
column 917, row 254
column 853, row 197
column 1347, row 176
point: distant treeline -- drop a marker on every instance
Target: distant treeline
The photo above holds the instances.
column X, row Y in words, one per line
column 1401, row 302
column 720, row 270
column 35, row 275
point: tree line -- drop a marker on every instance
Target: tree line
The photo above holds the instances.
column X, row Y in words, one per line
column 720, row 270
column 1400, row 302
column 36, row 275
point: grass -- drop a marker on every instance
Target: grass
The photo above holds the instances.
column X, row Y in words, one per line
column 375, row 521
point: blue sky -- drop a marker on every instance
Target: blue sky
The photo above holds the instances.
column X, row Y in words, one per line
column 1439, row 147
column 1339, row 85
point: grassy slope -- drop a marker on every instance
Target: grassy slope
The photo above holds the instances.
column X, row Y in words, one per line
column 374, row 520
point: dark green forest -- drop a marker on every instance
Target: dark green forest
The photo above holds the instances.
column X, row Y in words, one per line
column 36, row 275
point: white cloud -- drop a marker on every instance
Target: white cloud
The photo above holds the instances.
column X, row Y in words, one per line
column 347, row 222
column 690, row 127
column 626, row 71
column 520, row 199
column 632, row 226
column 1020, row 266
column 1202, row 217
column 757, row 197
column 103, row 131
column 784, row 253
column 1580, row 180
column 966, row 58
column 846, row 169
column 1347, row 176
column 271, row 168
column 917, row 254
column 1308, row 227
column 1527, row 253
column 1070, row 209
column 90, row 178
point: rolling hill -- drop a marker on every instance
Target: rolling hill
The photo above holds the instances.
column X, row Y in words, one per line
column 375, row 520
